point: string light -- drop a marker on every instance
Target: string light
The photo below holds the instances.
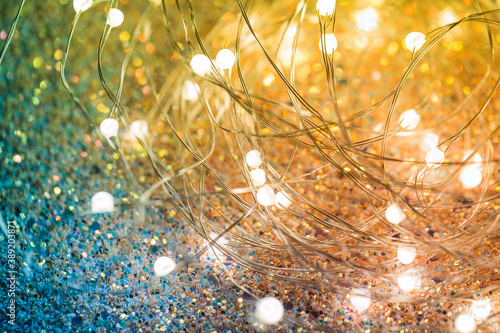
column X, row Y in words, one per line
column 414, row 41
column 225, row 59
column 266, row 196
column 325, row 7
column 269, row 310
column 408, row 280
column 201, row 64
column 190, row 91
column 465, row 324
column 434, row 158
column 164, row 266
column 282, row 201
column 109, row 127
column 366, row 19
column 471, row 176
column 82, row 5
column 258, row 177
column 406, row 254
column 115, row 17
column 253, row 159
column 361, row 299
column 102, row 202
column 330, row 43
column 139, row 129
column 409, row 119
column 481, row 308
column 395, row 214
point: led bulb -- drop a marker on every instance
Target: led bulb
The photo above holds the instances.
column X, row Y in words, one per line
column 225, row 59
column 269, row 310
column 115, row 17
column 201, row 65
column 266, row 196
column 164, row 266
column 406, row 254
column 434, row 158
column 465, row 324
column 109, row 127
column 139, row 129
column 325, row 7
column 102, row 202
column 258, row 177
column 190, row 91
column 361, row 299
column 409, row 280
column 409, row 119
column 253, row 159
column 282, row 201
column 81, row 5
column 481, row 308
column 471, row 176
column 366, row 19
column 414, row 41
column 431, row 141
column 395, row 214
column 476, row 159
column 330, row 43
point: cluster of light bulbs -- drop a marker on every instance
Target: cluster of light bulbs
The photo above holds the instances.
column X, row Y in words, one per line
column 269, row 310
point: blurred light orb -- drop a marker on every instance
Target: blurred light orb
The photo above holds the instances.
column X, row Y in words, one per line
column 225, row 59
column 409, row 119
column 282, row 201
column 190, row 91
column 447, row 16
column 465, row 324
column 201, row 65
column 414, row 41
column 269, row 310
column 325, row 7
column 109, row 127
column 102, row 202
column 139, row 129
column 394, row 214
column 366, row 19
column 476, row 159
column 164, row 266
column 81, row 5
column 253, row 159
column 115, row 17
column 431, row 141
column 434, row 158
column 408, row 280
column 360, row 299
column 406, row 254
column 481, row 308
column 471, row 176
column 330, row 43
column 266, row 196
column 258, row 177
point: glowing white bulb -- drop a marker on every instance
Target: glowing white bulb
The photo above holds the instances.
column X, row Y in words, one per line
column 409, row 119
column 102, row 202
column 164, row 266
column 471, row 176
column 465, row 324
column 269, row 310
column 115, row 17
column 409, row 280
column 201, row 65
column 431, row 141
column 330, row 43
column 414, row 40
column 395, row 214
column 190, row 91
column 447, row 17
column 225, row 59
column 139, row 129
column 325, row 7
column 258, row 177
column 434, row 158
column 476, row 159
column 406, row 254
column 81, row 5
column 266, row 196
column 361, row 299
column 366, row 19
column 253, row 159
column 282, row 201
column 481, row 308
column 109, row 127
